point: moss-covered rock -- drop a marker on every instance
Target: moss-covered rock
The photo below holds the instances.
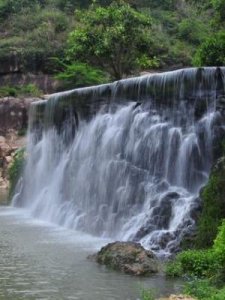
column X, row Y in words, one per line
column 128, row 257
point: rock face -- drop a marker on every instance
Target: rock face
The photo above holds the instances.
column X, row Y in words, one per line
column 13, row 120
column 128, row 257
column 9, row 144
column 47, row 83
column 14, row 113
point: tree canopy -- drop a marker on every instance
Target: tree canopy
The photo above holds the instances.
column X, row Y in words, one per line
column 116, row 38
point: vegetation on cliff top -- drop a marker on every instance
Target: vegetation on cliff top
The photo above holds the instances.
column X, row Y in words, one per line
column 140, row 34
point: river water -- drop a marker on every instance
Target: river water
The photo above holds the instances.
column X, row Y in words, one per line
column 41, row 261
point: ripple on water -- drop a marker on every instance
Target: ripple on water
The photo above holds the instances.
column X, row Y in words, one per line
column 43, row 262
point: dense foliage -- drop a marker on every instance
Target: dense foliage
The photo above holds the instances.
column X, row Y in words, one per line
column 213, row 211
column 114, row 38
column 205, row 268
column 211, row 52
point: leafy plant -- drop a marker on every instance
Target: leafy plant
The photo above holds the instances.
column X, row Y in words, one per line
column 219, row 243
column 23, row 90
column 201, row 289
column 213, row 211
column 195, row 263
column 199, row 263
column 174, row 268
column 147, row 295
column 212, row 51
column 80, row 74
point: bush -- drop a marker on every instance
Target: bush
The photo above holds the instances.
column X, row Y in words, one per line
column 147, row 295
column 204, row 290
column 201, row 289
column 174, row 269
column 219, row 243
column 193, row 30
column 213, row 196
column 24, row 90
column 79, row 75
column 195, row 263
column 199, row 263
column 212, row 51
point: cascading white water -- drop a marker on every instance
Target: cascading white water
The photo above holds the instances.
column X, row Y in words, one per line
column 131, row 171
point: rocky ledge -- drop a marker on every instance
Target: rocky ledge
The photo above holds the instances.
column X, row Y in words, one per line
column 127, row 257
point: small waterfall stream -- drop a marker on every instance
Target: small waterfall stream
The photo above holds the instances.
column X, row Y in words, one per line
column 126, row 160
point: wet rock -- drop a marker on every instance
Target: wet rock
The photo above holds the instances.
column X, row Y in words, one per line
column 127, row 257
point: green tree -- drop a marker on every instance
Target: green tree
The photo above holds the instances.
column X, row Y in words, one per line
column 113, row 38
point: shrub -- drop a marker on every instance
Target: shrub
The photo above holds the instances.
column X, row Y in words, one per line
column 174, row 269
column 213, row 196
column 79, row 74
column 147, row 295
column 219, row 243
column 212, row 51
column 204, row 290
column 195, row 263
column 192, row 29
column 201, row 289
column 199, row 263
column 24, row 90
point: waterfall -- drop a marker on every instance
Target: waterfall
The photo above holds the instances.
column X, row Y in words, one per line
column 126, row 160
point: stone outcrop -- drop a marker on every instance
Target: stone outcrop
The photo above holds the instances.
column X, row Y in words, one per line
column 9, row 144
column 13, row 123
column 46, row 83
column 127, row 257
column 14, row 114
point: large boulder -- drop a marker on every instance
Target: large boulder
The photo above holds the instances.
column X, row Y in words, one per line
column 128, row 257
